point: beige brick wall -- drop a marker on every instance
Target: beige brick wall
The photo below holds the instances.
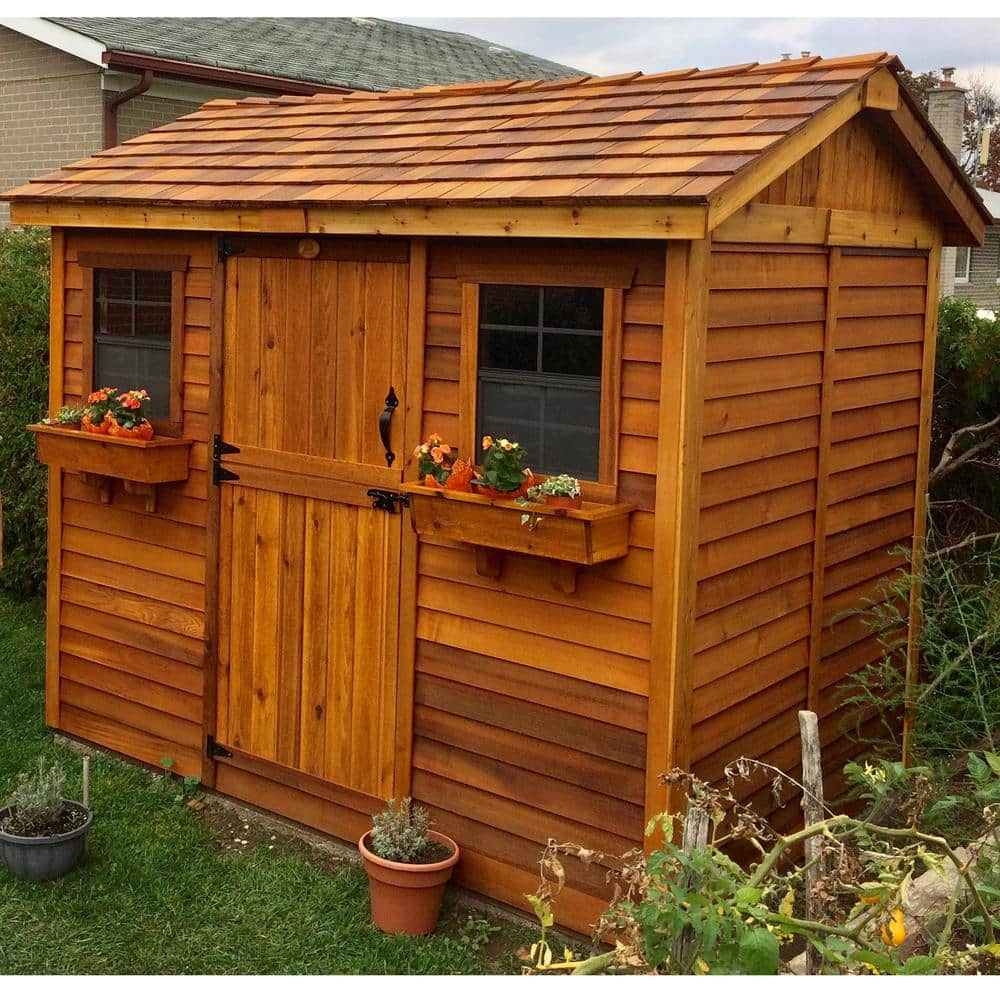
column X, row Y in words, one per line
column 144, row 112
column 983, row 286
column 50, row 110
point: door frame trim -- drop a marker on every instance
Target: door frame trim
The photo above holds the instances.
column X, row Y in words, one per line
column 210, row 664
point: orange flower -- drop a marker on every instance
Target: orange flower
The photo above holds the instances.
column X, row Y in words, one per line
column 487, row 442
column 438, row 455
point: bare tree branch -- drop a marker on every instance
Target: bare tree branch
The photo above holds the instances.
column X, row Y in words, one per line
column 950, row 462
column 970, row 540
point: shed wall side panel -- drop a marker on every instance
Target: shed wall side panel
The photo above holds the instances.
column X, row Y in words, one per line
column 530, row 705
column 766, row 491
column 774, row 630
column 132, row 584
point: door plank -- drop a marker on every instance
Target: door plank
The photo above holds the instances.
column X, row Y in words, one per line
column 291, row 585
column 314, row 720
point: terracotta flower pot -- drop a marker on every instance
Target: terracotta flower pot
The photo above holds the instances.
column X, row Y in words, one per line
column 564, row 503
column 102, row 428
column 489, row 491
column 141, row 432
column 406, row 899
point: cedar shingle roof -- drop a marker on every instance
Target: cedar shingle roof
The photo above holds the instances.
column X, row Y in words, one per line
column 678, row 136
column 358, row 53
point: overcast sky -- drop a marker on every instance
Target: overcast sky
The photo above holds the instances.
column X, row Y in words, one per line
column 615, row 45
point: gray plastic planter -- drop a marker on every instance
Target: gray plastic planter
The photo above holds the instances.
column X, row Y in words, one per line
column 41, row 859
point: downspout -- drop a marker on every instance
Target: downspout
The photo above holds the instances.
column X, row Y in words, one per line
column 112, row 104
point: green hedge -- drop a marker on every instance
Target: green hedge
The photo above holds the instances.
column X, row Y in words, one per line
column 967, row 393
column 24, row 352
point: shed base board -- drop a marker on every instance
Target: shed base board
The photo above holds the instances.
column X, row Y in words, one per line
column 484, row 875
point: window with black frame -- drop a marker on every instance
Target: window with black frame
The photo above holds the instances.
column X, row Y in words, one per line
column 132, row 333
column 539, row 379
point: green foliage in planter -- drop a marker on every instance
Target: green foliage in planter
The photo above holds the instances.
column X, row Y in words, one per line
column 24, row 355
column 503, row 463
column 401, row 832
column 36, row 801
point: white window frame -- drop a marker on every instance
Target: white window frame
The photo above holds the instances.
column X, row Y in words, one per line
column 963, row 279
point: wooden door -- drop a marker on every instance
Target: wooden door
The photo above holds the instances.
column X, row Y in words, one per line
column 308, row 570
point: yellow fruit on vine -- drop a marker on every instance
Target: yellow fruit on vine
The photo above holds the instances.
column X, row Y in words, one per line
column 894, row 929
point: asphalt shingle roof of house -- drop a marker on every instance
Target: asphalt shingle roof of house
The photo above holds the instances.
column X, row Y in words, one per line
column 360, row 53
column 679, row 135
column 991, row 199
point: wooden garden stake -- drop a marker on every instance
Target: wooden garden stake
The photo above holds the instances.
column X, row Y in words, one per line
column 812, row 808
column 694, row 838
column 86, row 780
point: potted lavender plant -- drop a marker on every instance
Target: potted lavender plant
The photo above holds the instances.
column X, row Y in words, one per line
column 408, row 866
column 42, row 835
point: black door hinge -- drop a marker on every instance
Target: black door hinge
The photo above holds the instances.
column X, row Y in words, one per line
column 220, row 448
column 386, row 500
column 213, row 749
column 227, row 249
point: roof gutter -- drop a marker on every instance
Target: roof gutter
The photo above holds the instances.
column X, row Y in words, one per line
column 181, row 70
column 114, row 101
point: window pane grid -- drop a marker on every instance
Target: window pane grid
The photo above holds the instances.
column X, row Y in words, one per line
column 541, row 383
column 132, row 335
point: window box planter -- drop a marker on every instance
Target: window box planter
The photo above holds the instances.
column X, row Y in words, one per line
column 595, row 533
column 140, row 465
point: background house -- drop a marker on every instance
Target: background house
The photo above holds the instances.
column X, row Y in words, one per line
column 977, row 269
column 966, row 272
column 71, row 86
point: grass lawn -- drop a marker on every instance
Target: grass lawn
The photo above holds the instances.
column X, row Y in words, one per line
column 161, row 893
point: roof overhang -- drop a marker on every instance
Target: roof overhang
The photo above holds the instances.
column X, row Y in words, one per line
column 579, row 220
column 952, row 188
column 180, row 69
column 72, row 42
column 96, row 53
column 991, row 199
column 892, row 108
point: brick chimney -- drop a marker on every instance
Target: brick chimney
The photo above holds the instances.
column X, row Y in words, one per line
column 946, row 110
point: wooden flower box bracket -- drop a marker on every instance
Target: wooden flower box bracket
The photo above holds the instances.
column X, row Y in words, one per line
column 140, row 465
column 594, row 534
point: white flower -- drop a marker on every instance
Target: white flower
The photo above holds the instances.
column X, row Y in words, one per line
column 986, row 314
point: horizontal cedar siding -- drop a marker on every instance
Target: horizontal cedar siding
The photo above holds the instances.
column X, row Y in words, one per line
column 132, row 588
column 760, row 489
column 531, row 704
column 759, row 462
column 871, row 491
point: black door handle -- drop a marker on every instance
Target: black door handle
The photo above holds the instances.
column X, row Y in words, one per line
column 384, row 424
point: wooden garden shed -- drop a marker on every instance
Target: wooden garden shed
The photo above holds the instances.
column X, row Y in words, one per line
column 709, row 294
